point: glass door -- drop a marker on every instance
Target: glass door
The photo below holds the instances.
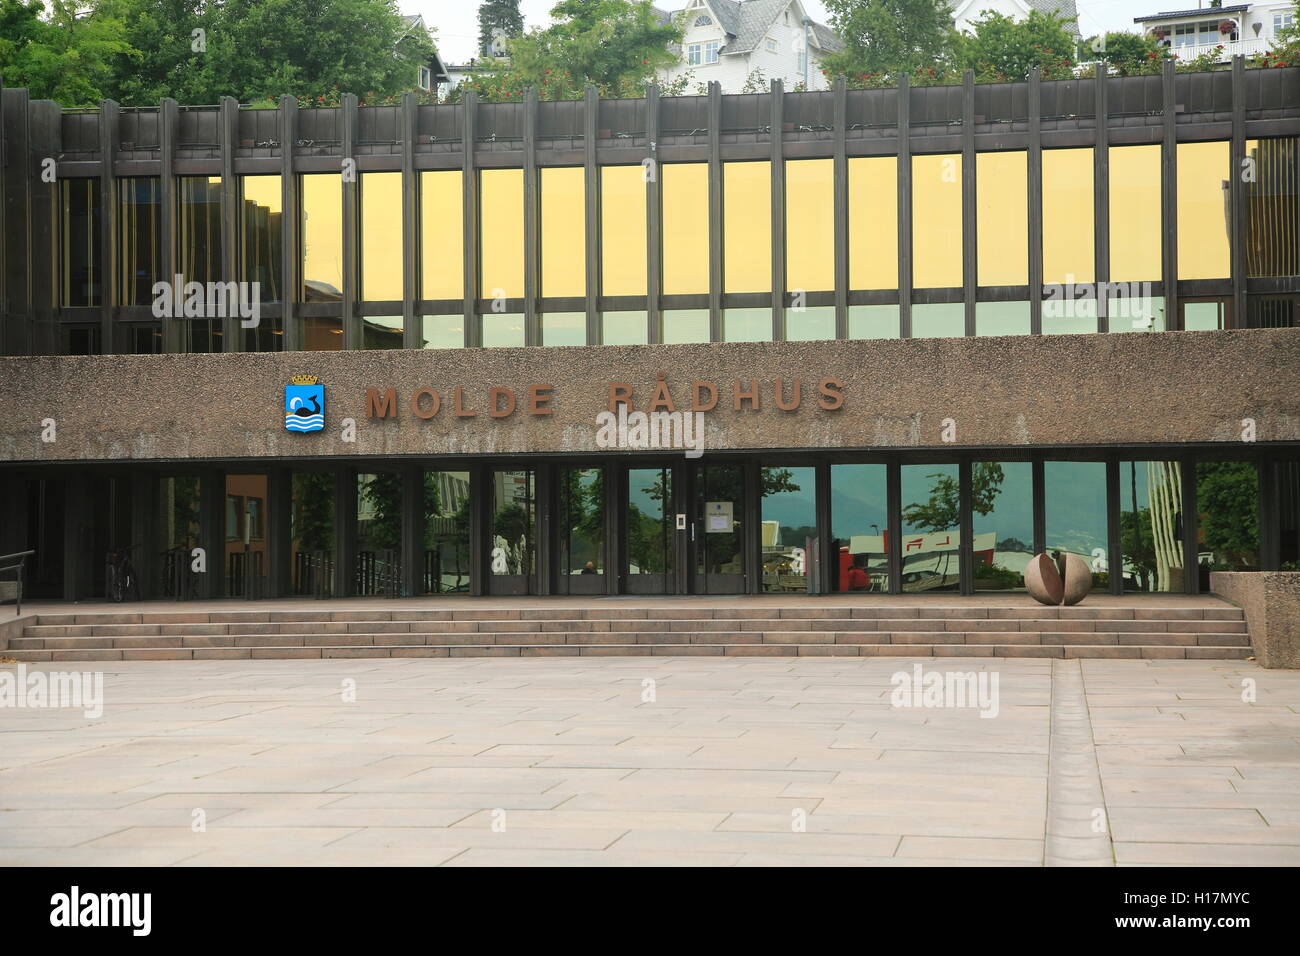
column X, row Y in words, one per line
column 930, row 555
column 719, row 529
column 649, row 553
column 512, row 532
column 581, row 532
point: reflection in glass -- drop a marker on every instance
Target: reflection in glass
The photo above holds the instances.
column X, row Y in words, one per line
column 1068, row 217
column 1151, row 525
column 812, row 324
column 321, row 234
column 936, row 221
column 382, row 331
column 1075, row 501
column 931, row 559
column 860, row 527
column 719, row 551
column 262, row 247
column 623, row 328
column 442, row 237
column 311, row 532
column 682, row 326
column 874, row 322
column 198, row 252
column 747, row 325
column 180, row 512
column 810, row 225
column 501, row 234
column 1002, row 318
column 685, row 194
column 514, row 504
column 564, row 231
column 1002, row 512
column 789, row 520
column 322, row 334
column 1002, row 219
column 873, row 224
column 939, row 320
column 1203, row 171
column 139, row 239
column 582, row 531
column 622, row 230
column 650, row 529
column 503, row 329
column 1227, row 505
column 564, row 328
column 442, row 332
column 381, row 236
column 1273, row 208
column 747, row 227
column 446, row 568
column 80, row 244
column 379, row 535
column 245, row 550
column 1135, row 214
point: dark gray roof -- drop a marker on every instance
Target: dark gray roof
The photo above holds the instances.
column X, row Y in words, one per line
column 1206, row 13
column 1065, row 9
column 746, row 23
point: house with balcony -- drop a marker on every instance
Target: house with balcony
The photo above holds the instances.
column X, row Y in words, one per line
column 739, row 42
column 1244, row 28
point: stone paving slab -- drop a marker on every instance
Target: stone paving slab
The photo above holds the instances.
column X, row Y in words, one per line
column 655, row 761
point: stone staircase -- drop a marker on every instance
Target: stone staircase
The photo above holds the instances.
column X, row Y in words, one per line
column 598, row 629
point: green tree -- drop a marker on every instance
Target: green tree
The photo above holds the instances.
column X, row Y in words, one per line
column 60, row 56
column 494, row 15
column 1129, row 54
column 885, row 37
column 1002, row 49
column 1227, row 498
column 1285, row 50
column 942, row 511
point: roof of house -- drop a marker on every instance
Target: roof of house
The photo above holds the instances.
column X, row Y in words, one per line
column 1204, row 12
column 1067, row 10
column 746, row 23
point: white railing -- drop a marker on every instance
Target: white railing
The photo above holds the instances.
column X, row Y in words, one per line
column 1231, row 48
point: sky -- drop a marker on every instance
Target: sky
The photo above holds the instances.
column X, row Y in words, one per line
column 456, row 21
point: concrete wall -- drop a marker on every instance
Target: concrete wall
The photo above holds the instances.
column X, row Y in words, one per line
column 1271, row 600
column 1067, row 390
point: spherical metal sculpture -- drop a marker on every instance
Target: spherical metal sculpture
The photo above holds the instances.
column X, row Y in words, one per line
column 1065, row 580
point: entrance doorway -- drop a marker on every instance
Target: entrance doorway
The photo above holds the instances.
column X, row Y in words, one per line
column 719, row 533
column 649, row 553
column 512, row 531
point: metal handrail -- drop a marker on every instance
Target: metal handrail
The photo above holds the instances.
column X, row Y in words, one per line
column 16, row 562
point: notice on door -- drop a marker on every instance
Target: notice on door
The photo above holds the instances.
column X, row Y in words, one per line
column 717, row 517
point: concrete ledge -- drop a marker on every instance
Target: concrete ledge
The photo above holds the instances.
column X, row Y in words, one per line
column 12, row 626
column 1271, row 600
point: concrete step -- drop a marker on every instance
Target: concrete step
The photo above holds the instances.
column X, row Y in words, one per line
column 1130, row 651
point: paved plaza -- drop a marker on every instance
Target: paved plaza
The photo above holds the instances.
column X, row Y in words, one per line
column 655, row 761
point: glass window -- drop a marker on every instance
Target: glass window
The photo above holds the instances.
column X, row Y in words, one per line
column 747, row 325
column 873, row 222
column 1063, row 315
column 936, row 221
column 789, row 520
column 1151, row 525
column 503, row 329
column 379, row 535
column 501, row 239
column 442, row 235
column 815, row 323
column 1002, row 218
column 446, row 568
column 381, row 237
column 623, row 328
column 1075, row 501
column 1205, row 316
column 1227, row 505
column 939, row 320
column 1135, row 214
column 747, row 227
column 693, row 54
column 81, row 245
column 582, row 529
column 513, row 520
column 711, row 51
column 198, row 228
column 263, row 236
column 1203, row 171
column 650, row 531
column 1136, row 313
column 179, row 529
column 623, row 230
column 322, row 238
column 874, row 322
column 810, row 225
column 322, row 334
column 564, row 231
column 1002, row 318
column 685, row 325
column 564, row 328
column 1069, row 255
column 1273, row 207
column 931, row 528
column 442, row 332
column 139, row 239
column 311, row 531
column 382, row 331
column 685, row 228
column 1002, row 524
column 860, row 527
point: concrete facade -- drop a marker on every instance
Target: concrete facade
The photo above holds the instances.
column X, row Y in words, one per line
column 1271, row 600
